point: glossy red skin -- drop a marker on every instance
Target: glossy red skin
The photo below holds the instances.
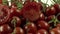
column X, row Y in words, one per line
column 42, row 31
column 49, row 18
column 19, row 30
column 14, row 12
column 50, row 11
column 15, row 19
column 55, row 31
column 40, row 5
column 43, row 25
column 29, row 33
column 0, row 1
column 58, row 26
column 42, row 17
column 32, row 17
column 5, row 14
column 9, row 33
column 57, row 8
column 5, row 29
column 30, row 28
column 0, row 32
column 30, row 11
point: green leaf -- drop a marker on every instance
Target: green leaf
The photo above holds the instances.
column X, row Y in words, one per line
column 58, row 1
column 19, row 4
column 5, row 2
column 12, row 0
column 39, row 0
column 14, row 22
column 55, row 1
column 53, row 19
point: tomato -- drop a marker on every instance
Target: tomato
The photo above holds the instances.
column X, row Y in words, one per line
column 57, row 8
column 9, row 33
column 55, row 31
column 29, row 33
column 0, row 32
column 58, row 25
column 50, row 11
column 42, row 25
column 30, row 11
column 18, row 30
column 4, row 14
column 42, row 31
column 40, row 5
column 5, row 29
column 49, row 18
column 15, row 21
column 42, row 16
column 0, row 1
column 15, row 12
column 31, row 15
column 30, row 28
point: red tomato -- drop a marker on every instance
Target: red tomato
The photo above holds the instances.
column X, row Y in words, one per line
column 15, row 21
column 5, row 29
column 58, row 26
column 49, row 18
column 15, row 12
column 40, row 5
column 57, row 8
column 42, row 31
column 50, row 11
column 30, row 11
column 0, row 1
column 18, row 30
column 30, row 27
column 4, row 14
column 55, row 31
column 42, row 25
column 42, row 16
column 29, row 33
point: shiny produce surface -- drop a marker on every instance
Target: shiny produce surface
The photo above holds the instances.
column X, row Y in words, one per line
column 29, row 17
